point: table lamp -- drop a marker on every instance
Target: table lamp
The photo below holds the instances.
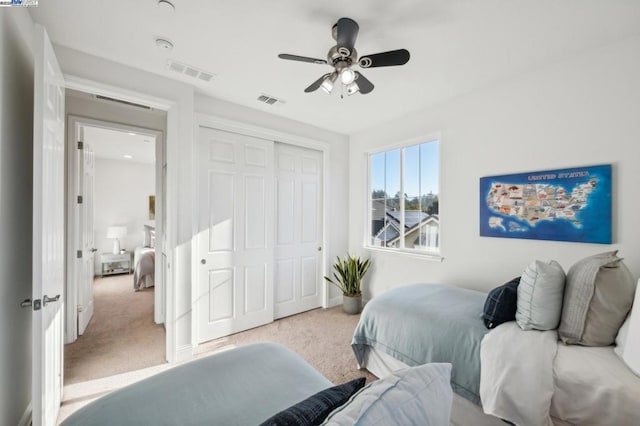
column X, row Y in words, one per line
column 116, row 232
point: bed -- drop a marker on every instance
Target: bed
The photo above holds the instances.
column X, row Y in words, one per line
column 527, row 377
column 144, row 261
column 144, row 267
column 250, row 384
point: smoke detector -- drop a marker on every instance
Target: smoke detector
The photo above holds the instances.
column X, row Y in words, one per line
column 164, row 43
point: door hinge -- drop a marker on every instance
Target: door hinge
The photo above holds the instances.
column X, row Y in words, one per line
column 80, row 145
column 79, row 254
column 79, row 199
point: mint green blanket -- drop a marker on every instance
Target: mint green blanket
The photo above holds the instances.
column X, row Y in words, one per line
column 242, row 386
column 424, row 323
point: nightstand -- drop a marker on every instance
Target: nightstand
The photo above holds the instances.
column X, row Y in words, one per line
column 111, row 264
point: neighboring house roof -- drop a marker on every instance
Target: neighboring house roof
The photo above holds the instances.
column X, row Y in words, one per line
column 412, row 219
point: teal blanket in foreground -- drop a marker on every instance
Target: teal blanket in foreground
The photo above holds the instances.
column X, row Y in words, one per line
column 242, row 386
column 424, row 323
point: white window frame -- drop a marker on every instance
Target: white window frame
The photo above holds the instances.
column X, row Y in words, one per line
column 407, row 252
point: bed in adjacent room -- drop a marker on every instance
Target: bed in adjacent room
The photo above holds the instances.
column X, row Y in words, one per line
column 144, row 261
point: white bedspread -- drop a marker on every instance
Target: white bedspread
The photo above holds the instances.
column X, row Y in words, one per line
column 516, row 374
column 530, row 378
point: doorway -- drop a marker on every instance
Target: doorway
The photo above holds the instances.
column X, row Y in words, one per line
column 116, row 214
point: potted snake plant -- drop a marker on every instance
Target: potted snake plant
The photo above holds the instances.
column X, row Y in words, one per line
column 347, row 276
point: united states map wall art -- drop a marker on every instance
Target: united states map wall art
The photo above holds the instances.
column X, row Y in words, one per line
column 563, row 205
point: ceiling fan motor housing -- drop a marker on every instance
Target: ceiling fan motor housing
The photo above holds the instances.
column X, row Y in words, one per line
column 335, row 55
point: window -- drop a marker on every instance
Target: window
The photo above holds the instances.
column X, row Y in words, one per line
column 403, row 201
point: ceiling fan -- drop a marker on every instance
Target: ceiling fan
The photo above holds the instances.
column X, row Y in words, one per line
column 343, row 56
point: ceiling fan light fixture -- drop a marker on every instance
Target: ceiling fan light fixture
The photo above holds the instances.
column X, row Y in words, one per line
column 347, row 76
column 352, row 88
column 327, row 84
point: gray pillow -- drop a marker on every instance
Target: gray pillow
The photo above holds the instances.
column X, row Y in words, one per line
column 598, row 296
column 540, row 296
column 420, row 396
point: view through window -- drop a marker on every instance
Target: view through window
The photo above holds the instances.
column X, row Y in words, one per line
column 404, row 198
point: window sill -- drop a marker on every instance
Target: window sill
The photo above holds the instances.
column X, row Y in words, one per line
column 431, row 257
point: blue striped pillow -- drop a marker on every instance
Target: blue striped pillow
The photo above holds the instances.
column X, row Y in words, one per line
column 313, row 410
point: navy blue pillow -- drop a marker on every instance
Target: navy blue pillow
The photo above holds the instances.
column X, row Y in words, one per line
column 313, row 410
column 501, row 304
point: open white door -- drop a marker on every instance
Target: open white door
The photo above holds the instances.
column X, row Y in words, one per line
column 235, row 239
column 48, row 232
column 86, row 232
column 298, row 237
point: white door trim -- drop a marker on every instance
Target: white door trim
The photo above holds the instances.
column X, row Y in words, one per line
column 172, row 200
column 234, row 126
column 75, row 122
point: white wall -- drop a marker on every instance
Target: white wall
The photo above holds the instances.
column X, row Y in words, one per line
column 336, row 225
column 121, row 195
column 84, row 106
column 16, row 179
column 582, row 111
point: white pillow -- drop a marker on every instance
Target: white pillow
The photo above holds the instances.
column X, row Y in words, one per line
column 420, row 396
column 628, row 338
column 540, row 294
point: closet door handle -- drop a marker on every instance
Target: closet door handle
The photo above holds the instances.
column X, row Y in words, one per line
column 46, row 299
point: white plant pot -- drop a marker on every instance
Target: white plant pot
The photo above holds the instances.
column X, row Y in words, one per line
column 352, row 304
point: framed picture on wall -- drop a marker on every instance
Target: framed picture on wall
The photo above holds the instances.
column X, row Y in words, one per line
column 152, row 207
column 561, row 205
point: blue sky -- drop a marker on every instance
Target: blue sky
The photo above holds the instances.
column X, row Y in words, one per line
column 421, row 170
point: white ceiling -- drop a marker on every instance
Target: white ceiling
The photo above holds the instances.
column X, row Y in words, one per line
column 456, row 45
column 115, row 144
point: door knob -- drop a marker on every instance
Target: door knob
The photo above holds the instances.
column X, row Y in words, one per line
column 46, row 299
column 203, row 261
column 93, row 250
column 26, row 303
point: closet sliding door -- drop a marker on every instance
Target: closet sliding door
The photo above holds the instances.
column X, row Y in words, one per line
column 235, row 233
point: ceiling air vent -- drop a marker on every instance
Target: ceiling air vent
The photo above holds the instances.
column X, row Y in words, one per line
column 190, row 71
column 269, row 100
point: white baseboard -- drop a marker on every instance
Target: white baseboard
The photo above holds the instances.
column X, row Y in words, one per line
column 335, row 301
column 184, row 353
column 25, row 420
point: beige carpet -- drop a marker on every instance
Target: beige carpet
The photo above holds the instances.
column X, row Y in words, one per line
column 120, row 337
column 321, row 336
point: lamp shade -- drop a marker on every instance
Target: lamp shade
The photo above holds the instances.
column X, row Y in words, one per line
column 116, row 231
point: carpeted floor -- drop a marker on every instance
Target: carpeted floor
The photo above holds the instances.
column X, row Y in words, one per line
column 122, row 345
column 321, row 336
column 120, row 337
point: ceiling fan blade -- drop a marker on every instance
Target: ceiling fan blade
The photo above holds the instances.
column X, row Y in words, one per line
column 347, row 32
column 385, row 59
column 301, row 58
column 316, row 84
column 365, row 85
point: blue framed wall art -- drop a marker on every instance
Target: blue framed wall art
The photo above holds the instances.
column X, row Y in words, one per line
column 561, row 205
